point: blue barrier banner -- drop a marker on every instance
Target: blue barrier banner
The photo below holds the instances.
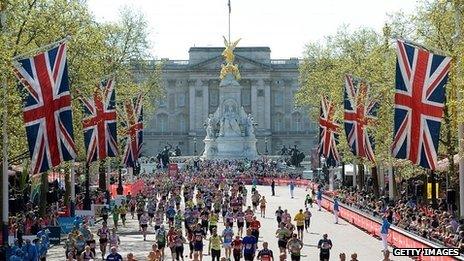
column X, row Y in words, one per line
column 67, row 223
column 55, row 235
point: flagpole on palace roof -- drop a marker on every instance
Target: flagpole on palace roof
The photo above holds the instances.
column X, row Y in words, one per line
column 229, row 18
column 4, row 85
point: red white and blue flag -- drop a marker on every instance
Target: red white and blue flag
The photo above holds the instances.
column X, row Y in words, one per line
column 134, row 131
column 360, row 111
column 421, row 77
column 328, row 133
column 99, row 123
column 47, row 108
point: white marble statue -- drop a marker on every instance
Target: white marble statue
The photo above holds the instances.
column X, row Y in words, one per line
column 229, row 122
column 209, row 127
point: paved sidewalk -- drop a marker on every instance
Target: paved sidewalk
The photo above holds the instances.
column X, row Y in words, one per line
column 345, row 237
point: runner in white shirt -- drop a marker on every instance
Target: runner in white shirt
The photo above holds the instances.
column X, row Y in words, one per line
column 144, row 224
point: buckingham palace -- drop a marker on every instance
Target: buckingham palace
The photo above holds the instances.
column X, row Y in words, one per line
column 192, row 93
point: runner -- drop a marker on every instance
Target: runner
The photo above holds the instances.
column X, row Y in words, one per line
column 87, row 255
column 237, row 246
column 199, row 235
column 319, row 198
column 151, row 208
column 294, row 246
column 228, row 236
column 265, row 254
column 179, row 245
column 384, row 232
column 278, row 215
column 123, row 212
column 171, row 237
column 255, row 226
column 324, row 245
column 336, row 209
column 249, row 246
column 113, row 239
column 114, row 255
column 161, row 240
column 143, row 224
column 255, row 200
column 240, row 217
column 292, row 188
column 132, row 205
column 103, row 233
column 115, row 213
column 308, row 216
column 308, row 201
column 300, row 222
column 282, row 234
column 215, row 242
column 248, row 217
column 262, row 205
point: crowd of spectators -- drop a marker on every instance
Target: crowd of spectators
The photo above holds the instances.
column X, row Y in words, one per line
column 437, row 225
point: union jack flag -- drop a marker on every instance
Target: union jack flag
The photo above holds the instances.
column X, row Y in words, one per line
column 421, row 77
column 99, row 123
column 134, row 131
column 360, row 111
column 328, row 133
column 47, row 108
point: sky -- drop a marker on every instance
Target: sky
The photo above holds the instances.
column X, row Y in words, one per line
column 285, row 26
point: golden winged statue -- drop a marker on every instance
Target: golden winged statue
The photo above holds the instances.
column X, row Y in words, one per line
column 229, row 57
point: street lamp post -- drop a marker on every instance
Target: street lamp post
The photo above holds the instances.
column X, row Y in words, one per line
column 120, row 189
column 194, row 146
column 265, row 144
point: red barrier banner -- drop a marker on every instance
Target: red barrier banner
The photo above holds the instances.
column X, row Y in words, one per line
column 133, row 188
column 173, row 168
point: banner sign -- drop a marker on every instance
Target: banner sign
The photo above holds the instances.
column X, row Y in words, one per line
column 88, row 215
column 67, row 223
column 55, row 235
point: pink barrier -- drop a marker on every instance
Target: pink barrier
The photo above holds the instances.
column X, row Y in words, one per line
column 396, row 236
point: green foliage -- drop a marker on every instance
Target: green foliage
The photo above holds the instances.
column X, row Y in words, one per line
column 371, row 56
column 95, row 50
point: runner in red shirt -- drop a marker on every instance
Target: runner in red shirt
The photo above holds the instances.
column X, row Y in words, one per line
column 237, row 247
column 255, row 226
column 172, row 234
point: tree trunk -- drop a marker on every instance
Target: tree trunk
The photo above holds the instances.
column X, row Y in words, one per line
column 43, row 194
column 343, row 174
column 360, row 176
column 67, row 187
column 375, row 181
column 102, row 175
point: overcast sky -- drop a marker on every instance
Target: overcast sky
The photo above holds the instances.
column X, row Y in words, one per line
column 285, row 26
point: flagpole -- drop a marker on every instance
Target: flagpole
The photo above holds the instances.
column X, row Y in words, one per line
column 457, row 41
column 228, row 4
column 5, row 207
column 41, row 48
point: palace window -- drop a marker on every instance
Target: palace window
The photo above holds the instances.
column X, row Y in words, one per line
column 278, row 98
column 246, row 97
column 180, row 100
column 278, row 122
column 296, row 122
column 162, row 122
